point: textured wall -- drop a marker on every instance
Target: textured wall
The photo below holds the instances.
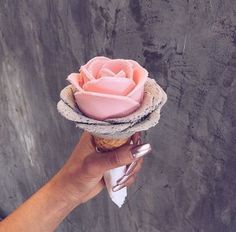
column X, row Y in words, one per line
column 189, row 46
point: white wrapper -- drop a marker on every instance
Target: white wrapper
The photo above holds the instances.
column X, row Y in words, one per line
column 111, row 178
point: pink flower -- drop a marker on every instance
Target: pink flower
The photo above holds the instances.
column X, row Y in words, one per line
column 109, row 88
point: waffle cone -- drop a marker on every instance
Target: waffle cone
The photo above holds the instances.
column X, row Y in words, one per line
column 108, row 144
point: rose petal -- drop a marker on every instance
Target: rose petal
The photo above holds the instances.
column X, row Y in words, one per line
column 110, row 85
column 102, row 106
column 76, row 80
column 97, row 59
column 134, row 64
column 139, row 77
column 105, row 72
column 118, row 65
column 120, row 74
column 95, row 64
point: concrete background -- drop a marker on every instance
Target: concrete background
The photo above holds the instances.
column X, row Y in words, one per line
column 188, row 183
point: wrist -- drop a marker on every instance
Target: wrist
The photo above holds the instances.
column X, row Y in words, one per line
column 62, row 190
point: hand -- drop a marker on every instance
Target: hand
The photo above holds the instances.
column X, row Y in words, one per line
column 81, row 178
column 78, row 180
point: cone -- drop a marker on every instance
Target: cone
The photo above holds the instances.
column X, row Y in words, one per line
column 108, row 144
column 104, row 144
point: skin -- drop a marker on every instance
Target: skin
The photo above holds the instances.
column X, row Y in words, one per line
column 79, row 180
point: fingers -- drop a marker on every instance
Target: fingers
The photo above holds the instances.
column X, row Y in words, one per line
column 101, row 162
column 84, row 147
column 123, row 156
column 87, row 142
column 129, row 182
column 136, row 137
column 132, row 169
column 129, row 177
column 132, row 172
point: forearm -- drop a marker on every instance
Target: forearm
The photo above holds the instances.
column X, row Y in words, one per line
column 43, row 211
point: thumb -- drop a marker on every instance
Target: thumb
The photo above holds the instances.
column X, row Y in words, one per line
column 118, row 157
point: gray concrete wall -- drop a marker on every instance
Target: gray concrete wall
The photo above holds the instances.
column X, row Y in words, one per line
column 189, row 46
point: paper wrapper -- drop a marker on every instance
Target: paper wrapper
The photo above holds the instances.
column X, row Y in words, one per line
column 111, row 176
column 145, row 117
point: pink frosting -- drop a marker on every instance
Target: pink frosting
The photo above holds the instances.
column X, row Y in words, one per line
column 109, row 88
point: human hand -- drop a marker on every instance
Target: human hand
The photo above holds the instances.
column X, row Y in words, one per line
column 81, row 178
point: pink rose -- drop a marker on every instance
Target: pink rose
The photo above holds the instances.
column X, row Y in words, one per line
column 109, row 88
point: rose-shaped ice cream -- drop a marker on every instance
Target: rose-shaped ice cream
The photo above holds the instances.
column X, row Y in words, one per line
column 109, row 88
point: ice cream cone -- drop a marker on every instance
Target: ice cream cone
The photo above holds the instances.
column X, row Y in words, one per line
column 115, row 132
column 108, row 144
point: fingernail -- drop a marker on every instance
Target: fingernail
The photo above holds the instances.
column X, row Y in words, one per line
column 140, row 150
column 97, row 149
column 118, row 187
column 123, row 179
column 130, row 168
